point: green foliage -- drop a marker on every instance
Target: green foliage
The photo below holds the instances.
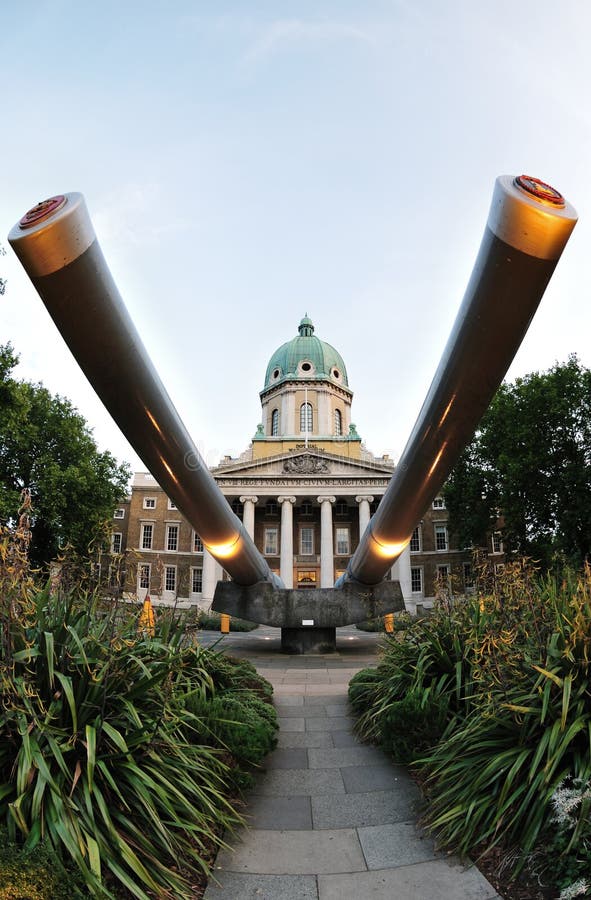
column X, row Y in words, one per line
column 36, row 874
column 531, row 459
column 109, row 745
column 491, row 699
column 46, row 445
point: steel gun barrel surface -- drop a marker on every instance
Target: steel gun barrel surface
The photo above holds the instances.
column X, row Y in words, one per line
column 57, row 246
column 528, row 226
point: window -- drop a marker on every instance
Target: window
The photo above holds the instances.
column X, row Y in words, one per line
column 415, row 541
column 439, row 503
column 497, row 543
column 306, row 509
column 171, row 504
column 341, row 508
column 116, row 542
column 119, row 514
column 238, row 508
column 197, row 543
column 338, row 423
column 169, row 578
column 271, row 508
column 275, row 423
column 416, row 580
column 443, row 573
column 271, row 541
column 343, row 541
column 468, row 578
column 306, row 420
column 307, row 541
column 96, row 571
column 149, row 502
column 147, row 533
column 172, row 537
column 144, row 576
column 196, row 581
column 440, row 536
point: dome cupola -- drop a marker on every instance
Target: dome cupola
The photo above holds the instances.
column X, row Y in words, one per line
column 306, row 357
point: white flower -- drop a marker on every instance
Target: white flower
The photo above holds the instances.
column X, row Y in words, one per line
column 578, row 889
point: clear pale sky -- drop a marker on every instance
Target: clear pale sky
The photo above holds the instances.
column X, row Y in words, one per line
column 247, row 162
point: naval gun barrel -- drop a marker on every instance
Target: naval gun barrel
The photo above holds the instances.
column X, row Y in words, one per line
column 57, row 246
column 528, row 226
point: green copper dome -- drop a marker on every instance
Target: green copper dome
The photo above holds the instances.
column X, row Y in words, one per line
column 306, row 357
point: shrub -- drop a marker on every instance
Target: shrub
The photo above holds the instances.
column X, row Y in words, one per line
column 36, row 874
column 99, row 751
column 491, row 698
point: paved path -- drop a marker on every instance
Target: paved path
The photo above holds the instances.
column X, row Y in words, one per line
column 330, row 818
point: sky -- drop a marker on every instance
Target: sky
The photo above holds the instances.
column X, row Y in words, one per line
column 246, row 163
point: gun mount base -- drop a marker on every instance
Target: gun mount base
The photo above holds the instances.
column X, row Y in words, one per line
column 307, row 617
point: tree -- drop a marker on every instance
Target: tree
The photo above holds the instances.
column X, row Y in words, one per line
column 530, row 462
column 46, row 445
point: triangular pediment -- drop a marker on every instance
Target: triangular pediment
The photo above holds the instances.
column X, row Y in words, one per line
column 313, row 463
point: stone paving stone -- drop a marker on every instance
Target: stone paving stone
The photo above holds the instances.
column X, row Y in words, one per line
column 326, row 723
column 397, row 844
column 290, row 711
column 295, row 700
column 357, row 810
column 291, row 723
column 384, row 777
column 295, row 852
column 436, row 880
column 345, row 756
column 280, row 813
column 345, row 739
column 318, row 700
column 285, row 782
column 287, row 758
column 305, row 739
column 338, row 709
column 328, row 689
column 235, row 886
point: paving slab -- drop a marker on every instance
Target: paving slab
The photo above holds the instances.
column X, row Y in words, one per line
column 345, row 756
column 326, row 723
column 294, row 852
column 344, row 738
column 374, row 778
column 305, row 739
column 281, row 813
column 395, row 844
column 357, row 810
column 310, row 783
column 435, row 880
column 286, row 758
column 291, row 723
column 287, row 712
column 294, row 700
column 237, row 886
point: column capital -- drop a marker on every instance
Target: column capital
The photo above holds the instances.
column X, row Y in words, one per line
column 249, row 497
column 326, row 499
column 283, row 499
column 363, row 497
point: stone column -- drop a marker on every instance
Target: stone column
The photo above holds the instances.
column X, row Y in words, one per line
column 401, row 573
column 212, row 573
column 248, row 517
column 364, row 513
column 286, row 570
column 326, row 542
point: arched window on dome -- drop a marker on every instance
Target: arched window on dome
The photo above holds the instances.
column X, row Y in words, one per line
column 338, row 423
column 275, row 423
column 306, row 420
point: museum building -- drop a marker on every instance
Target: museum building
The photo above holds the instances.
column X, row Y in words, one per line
column 305, row 490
